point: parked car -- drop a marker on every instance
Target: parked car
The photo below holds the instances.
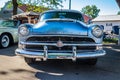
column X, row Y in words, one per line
column 60, row 34
column 8, row 32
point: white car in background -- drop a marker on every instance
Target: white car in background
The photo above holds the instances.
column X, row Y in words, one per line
column 8, row 32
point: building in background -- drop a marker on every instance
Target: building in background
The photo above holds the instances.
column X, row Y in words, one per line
column 7, row 13
column 108, row 22
column 27, row 17
column 22, row 14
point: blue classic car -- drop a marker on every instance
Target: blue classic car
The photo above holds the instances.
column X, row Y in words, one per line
column 60, row 34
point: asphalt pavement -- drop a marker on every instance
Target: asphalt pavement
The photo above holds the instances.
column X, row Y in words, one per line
column 13, row 67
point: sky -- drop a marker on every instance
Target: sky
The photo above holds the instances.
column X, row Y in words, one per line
column 107, row 7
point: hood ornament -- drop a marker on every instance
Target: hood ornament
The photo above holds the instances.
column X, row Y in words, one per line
column 60, row 44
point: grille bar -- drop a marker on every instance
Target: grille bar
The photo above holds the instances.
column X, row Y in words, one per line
column 65, row 44
column 57, row 38
column 37, row 43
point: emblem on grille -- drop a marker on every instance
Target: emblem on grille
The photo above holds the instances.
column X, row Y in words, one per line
column 60, row 44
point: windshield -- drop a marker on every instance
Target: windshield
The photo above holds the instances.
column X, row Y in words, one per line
column 8, row 23
column 71, row 15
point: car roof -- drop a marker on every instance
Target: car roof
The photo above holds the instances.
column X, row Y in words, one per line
column 63, row 10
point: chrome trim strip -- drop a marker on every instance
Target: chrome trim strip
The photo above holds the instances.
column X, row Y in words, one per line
column 60, row 35
column 55, row 44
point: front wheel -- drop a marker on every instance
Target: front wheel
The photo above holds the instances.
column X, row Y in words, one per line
column 29, row 60
column 4, row 41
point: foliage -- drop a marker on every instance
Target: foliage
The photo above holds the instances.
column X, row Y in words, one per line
column 36, row 8
column 30, row 2
column 48, row 3
column 9, row 5
column 91, row 11
column 30, row 7
column 110, row 40
column 36, row 4
column 52, row 3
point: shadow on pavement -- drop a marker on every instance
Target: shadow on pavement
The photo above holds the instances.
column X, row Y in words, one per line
column 61, row 70
column 65, row 69
column 68, row 70
column 116, row 47
column 10, row 51
column 112, row 50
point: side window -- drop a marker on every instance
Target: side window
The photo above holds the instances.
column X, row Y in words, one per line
column 15, row 23
column 9, row 23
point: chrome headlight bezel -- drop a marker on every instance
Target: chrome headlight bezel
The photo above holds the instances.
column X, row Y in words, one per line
column 97, row 31
column 23, row 31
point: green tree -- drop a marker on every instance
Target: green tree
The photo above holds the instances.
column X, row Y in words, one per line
column 36, row 8
column 91, row 11
column 30, row 2
column 48, row 3
column 52, row 3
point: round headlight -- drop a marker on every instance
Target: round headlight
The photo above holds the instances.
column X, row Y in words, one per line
column 23, row 31
column 97, row 31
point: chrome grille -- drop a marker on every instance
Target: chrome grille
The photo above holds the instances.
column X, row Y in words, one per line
column 63, row 39
column 55, row 39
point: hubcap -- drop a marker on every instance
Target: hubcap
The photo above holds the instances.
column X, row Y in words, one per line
column 5, row 41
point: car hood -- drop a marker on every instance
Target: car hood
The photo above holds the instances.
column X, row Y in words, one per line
column 60, row 27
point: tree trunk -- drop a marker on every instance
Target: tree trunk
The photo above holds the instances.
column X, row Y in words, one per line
column 15, row 6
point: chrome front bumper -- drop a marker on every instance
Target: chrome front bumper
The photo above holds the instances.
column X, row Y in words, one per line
column 74, row 55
